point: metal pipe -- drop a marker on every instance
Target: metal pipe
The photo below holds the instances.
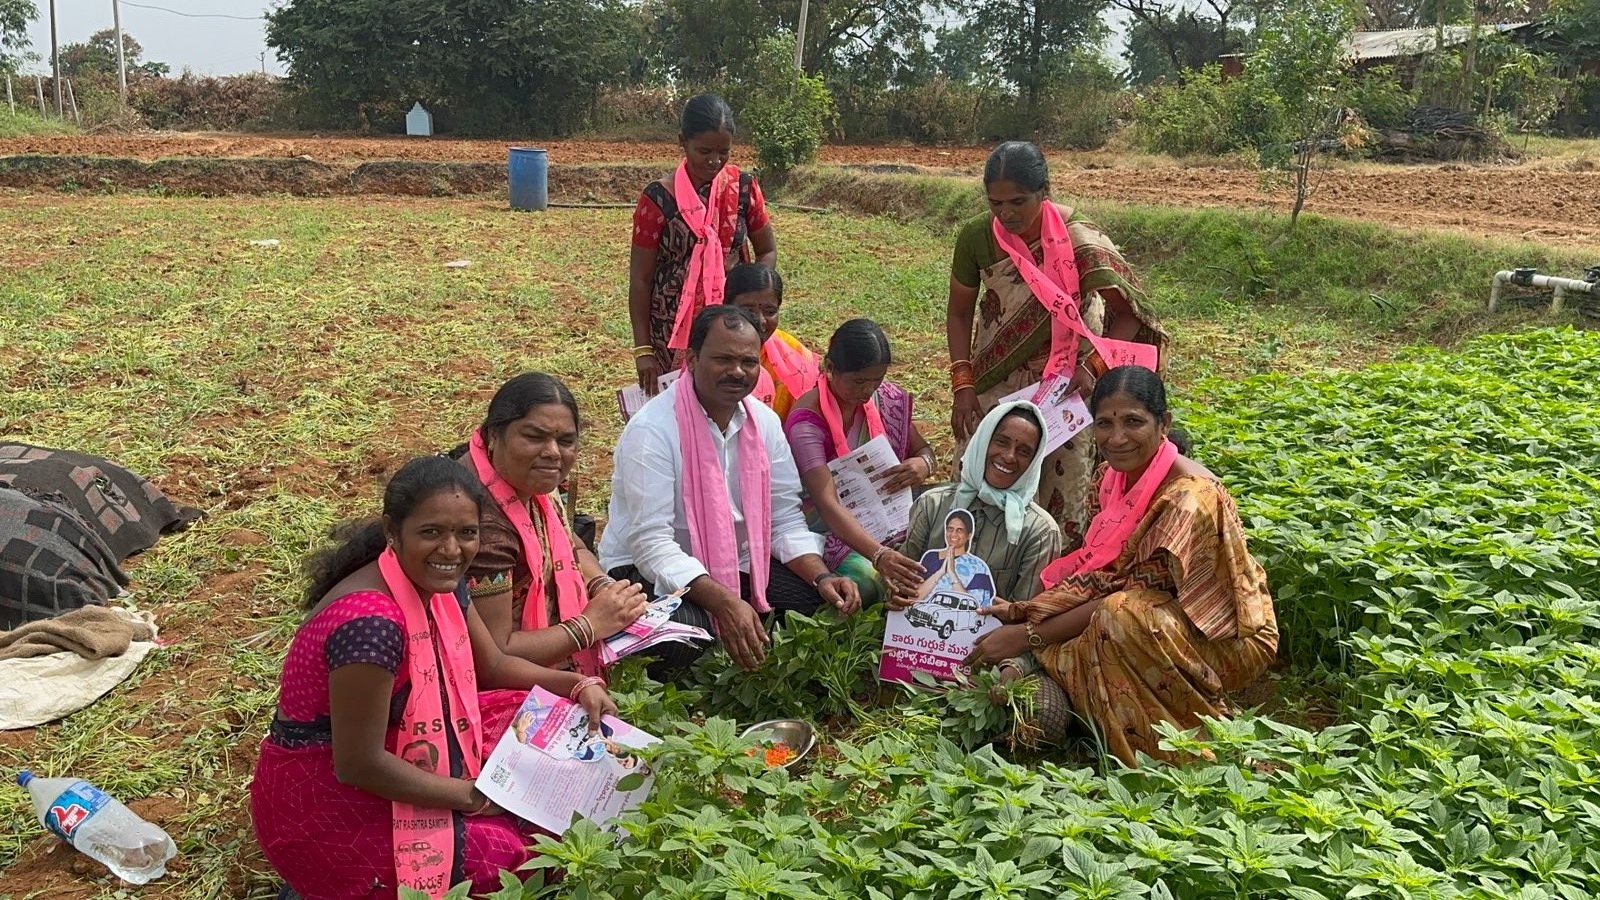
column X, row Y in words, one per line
column 1529, row 278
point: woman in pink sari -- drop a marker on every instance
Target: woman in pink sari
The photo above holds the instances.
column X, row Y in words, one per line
column 388, row 708
column 689, row 228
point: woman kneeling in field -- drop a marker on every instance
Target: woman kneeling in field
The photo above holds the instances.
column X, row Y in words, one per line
column 998, row 479
column 1161, row 611
column 540, row 592
column 365, row 780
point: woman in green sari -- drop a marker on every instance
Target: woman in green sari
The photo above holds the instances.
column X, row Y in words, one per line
column 1002, row 344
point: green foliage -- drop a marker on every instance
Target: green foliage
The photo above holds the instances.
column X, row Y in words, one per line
column 25, row 123
column 1446, row 503
column 1379, row 97
column 97, row 57
column 14, row 44
column 1298, row 74
column 1035, row 41
column 486, row 66
column 789, row 113
column 1202, row 116
column 1498, row 446
column 818, row 667
column 1168, row 44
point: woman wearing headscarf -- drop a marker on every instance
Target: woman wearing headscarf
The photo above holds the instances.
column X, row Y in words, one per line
column 999, row 476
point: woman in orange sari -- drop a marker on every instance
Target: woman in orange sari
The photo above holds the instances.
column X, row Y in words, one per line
column 788, row 368
column 1161, row 611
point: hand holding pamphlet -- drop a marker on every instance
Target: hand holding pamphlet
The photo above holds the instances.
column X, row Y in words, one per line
column 549, row 767
column 654, row 627
column 632, row 398
column 858, row 480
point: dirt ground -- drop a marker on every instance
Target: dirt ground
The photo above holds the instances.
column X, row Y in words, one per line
column 1557, row 204
column 361, row 149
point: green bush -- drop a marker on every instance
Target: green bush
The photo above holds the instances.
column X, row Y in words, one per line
column 787, row 113
column 1203, row 116
column 1378, row 96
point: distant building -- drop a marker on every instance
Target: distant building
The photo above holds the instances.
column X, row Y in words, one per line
column 1404, row 48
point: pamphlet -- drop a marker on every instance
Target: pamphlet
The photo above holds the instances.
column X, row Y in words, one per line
column 1065, row 413
column 652, row 628
column 631, row 399
column 935, row 634
column 857, row 479
column 548, row 767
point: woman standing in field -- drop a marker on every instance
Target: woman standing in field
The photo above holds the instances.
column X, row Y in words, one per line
column 688, row 229
column 1025, row 253
column 386, row 714
column 1161, row 611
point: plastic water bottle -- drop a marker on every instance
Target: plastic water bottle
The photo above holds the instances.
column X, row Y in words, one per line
column 95, row 823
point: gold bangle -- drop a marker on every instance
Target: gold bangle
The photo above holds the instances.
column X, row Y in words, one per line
column 642, row 351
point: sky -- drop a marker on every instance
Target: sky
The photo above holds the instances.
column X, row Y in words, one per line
column 197, row 41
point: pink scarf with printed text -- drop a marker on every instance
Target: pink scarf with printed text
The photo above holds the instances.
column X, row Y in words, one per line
column 438, row 651
column 571, row 598
column 707, row 276
column 712, row 536
column 1122, row 508
column 1056, row 288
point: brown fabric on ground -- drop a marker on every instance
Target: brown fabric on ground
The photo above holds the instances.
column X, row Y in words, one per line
column 67, row 521
column 92, row 632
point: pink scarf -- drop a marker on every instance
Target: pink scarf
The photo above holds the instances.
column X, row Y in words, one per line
column 571, row 598
column 766, row 390
column 712, row 537
column 1056, row 287
column 835, row 419
column 1122, row 508
column 438, row 649
column 794, row 367
column 708, row 263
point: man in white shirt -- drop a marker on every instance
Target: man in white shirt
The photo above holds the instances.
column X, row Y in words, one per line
column 648, row 538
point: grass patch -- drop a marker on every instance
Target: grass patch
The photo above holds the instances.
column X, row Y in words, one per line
column 24, row 123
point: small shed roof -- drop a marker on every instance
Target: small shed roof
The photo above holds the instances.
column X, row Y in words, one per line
column 1367, row 46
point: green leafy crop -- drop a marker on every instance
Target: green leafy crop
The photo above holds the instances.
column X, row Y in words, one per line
column 1429, row 528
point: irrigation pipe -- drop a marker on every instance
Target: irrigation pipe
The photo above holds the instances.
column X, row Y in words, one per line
column 1530, row 278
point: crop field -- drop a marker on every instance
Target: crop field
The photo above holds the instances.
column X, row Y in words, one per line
column 1427, row 515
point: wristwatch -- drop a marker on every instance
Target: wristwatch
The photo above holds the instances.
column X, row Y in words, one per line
column 823, row 577
column 1034, row 640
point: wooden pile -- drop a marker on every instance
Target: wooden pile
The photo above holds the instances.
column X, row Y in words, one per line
column 1440, row 133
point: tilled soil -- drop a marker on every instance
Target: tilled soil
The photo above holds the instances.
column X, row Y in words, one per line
column 1559, row 206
